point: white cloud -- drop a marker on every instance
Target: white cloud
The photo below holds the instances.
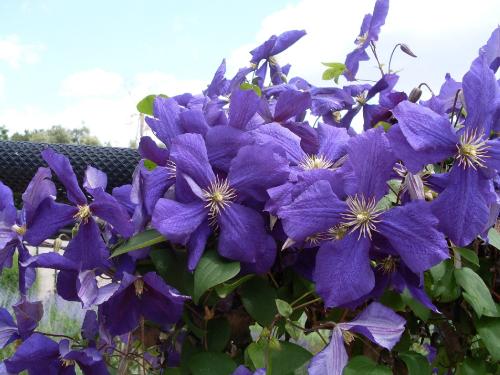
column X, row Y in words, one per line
column 2, row 86
column 92, row 83
column 15, row 53
column 445, row 34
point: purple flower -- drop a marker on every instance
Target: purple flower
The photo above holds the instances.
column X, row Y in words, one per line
column 147, row 296
column 377, row 323
column 370, row 29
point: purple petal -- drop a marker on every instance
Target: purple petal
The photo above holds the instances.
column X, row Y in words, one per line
column 177, row 221
column 291, row 103
column 285, row 40
column 326, row 100
column 165, row 125
column 28, row 314
column 256, row 169
column 352, row 62
column 242, row 233
column 37, row 352
column 154, row 184
column 197, row 243
column 190, row 156
column 493, row 160
column 281, row 137
column 148, row 149
column 443, row 103
column 51, row 260
column 88, row 291
column 193, row 121
column 94, row 179
column 379, row 324
column 6, row 197
column 315, row 211
column 219, row 83
column 463, row 206
column 90, row 325
column 343, row 272
column 48, row 219
column 62, row 168
column 39, row 188
column 332, row 141
column 424, row 129
column 332, row 359
column 371, row 160
column 491, row 50
column 223, row 143
column 8, row 329
column 106, row 207
column 411, row 230
column 243, row 105
column 480, row 90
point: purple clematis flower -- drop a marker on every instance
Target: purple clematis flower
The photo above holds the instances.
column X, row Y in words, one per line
column 40, row 355
column 422, row 137
column 370, row 29
column 147, row 296
column 343, row 272
column 215, row 201
column 27, row 314
column 378, row 323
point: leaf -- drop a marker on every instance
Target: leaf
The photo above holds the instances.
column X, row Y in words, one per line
column 249, row 86
column 472, row 367
column 285, row 357
column 149, row 164
column 224, row 289
column 494, row 238
column 146, row 105
column 420, row 310
column 476, row 293
column 258, row 299
column 489, row 330
column 141, row 240
column 218, row 333
column 171, row 265
column 256, row 353
column 284, row 308
column 211, row 271
column 334, row 72
column 416, row 363
column 361, row 365
column 208, row 363
column 444, row 287
column 467, row 254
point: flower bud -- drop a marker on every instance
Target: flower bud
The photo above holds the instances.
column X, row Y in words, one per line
column 407, row 50
column 415, row 95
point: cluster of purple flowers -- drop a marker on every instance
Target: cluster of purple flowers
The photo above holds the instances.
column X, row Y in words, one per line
column 243, row 163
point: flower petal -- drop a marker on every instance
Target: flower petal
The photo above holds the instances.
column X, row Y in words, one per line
column 281, row 137
column 28, row 314
column 39, row 188
column 243, row 105
column 193, row 121
column 107, row 207
column 332, row 359
column 148, row 149
column 165, row 125
column 94, row 179
column 332, row 141
column 291, row 103
column 37, row 352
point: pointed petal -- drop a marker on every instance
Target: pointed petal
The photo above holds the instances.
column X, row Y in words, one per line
column 243, row 105
column 177, row 221
column 281, row 137
column 315, row 211
column 37, row 352
column 493, row 160
column 94, row 179
column 193, row 121
column 332, row 141
column 223, row 143
column 463, row 206
column 378, row 323
column 332, row 359
column 165, row 125
column 291, row 103
column 219, row 83
column 28, row 314
column 106, row 207
column 48, row 219
column 285, row 40
column 51, row 260
column 196, row 244
column 411, row 230
column 343, row 272
column 148, row 149
column 39, row 188
column 8, row 329
column 62, row 168
column 87, row 248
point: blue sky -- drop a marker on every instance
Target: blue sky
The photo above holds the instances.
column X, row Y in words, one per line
column 73, row 62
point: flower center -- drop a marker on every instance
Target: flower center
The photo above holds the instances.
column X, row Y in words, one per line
column 337, row 232
column 388, row 265
column 472, row 149
column 315, row 162
column 218, row 196
column 139, row 287
column 83, row 213
column 361, row 39
column 20, row 230
column 347, row 336
column 67, row 362
column 362, row 214
column 171, row 168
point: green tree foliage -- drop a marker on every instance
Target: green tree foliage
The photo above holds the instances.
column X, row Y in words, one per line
column 56, row 134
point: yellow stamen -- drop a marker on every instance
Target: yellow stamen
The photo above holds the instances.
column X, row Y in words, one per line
column 218, row 196
column 67, row 362
column 83, row 213
column 316, row 162
column 362, row 215
column 472, row 149
column 20, row 230
column 139, row 287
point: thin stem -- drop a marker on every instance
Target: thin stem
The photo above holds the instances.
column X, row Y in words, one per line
column 56, row 335
column 428, row 87
column 392, row 53
column 454, row 105
column 143, row 347
column 302, row 297
column 458, row 116
column 307, row 303
column 276, row 285
column 374, row 51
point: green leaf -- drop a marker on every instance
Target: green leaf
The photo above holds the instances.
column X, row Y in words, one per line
column 284, row 308
column 416, row 363
column 383, row 124
column 146, row 105
column 258, row 299
column 444, row 286
column 149, row 164
column 208, row 363
column 476, row 293
column 171, row 265
column 494, row 238
column 218, row 333
column 141, row 240
column 224, row 289
column 472, row 367
column 489, row 331
column 334, row 71
column 420, row 310
column 361, row 365
column 285, row 357
column 211, row 271
column 467, row 254
column 249, row 86
column 256, row 353
column 393, row 300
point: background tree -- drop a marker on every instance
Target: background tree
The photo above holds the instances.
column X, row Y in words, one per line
column 56, row 134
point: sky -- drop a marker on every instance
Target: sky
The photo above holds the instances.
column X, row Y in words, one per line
column 88, row 63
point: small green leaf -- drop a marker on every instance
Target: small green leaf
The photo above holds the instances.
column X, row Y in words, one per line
column 258, row 299
column 149, row 164
column 383, row 124
column 467, row 254
column 334, row 71
column 416, row 363
column 256, row 354
column 472, row 367
column 171, row 266
column 284, row 308
column 361, row 365
column 444, row 287
column 420, row 310
column 211, row 271
column 141, row 240
column 249, row 86
column 146, row 105
column 489, row 330
column 494, row 238
column 285, row 357
column 224, row 289
column 208, row 363
column 476, row 293
column 218, row 333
